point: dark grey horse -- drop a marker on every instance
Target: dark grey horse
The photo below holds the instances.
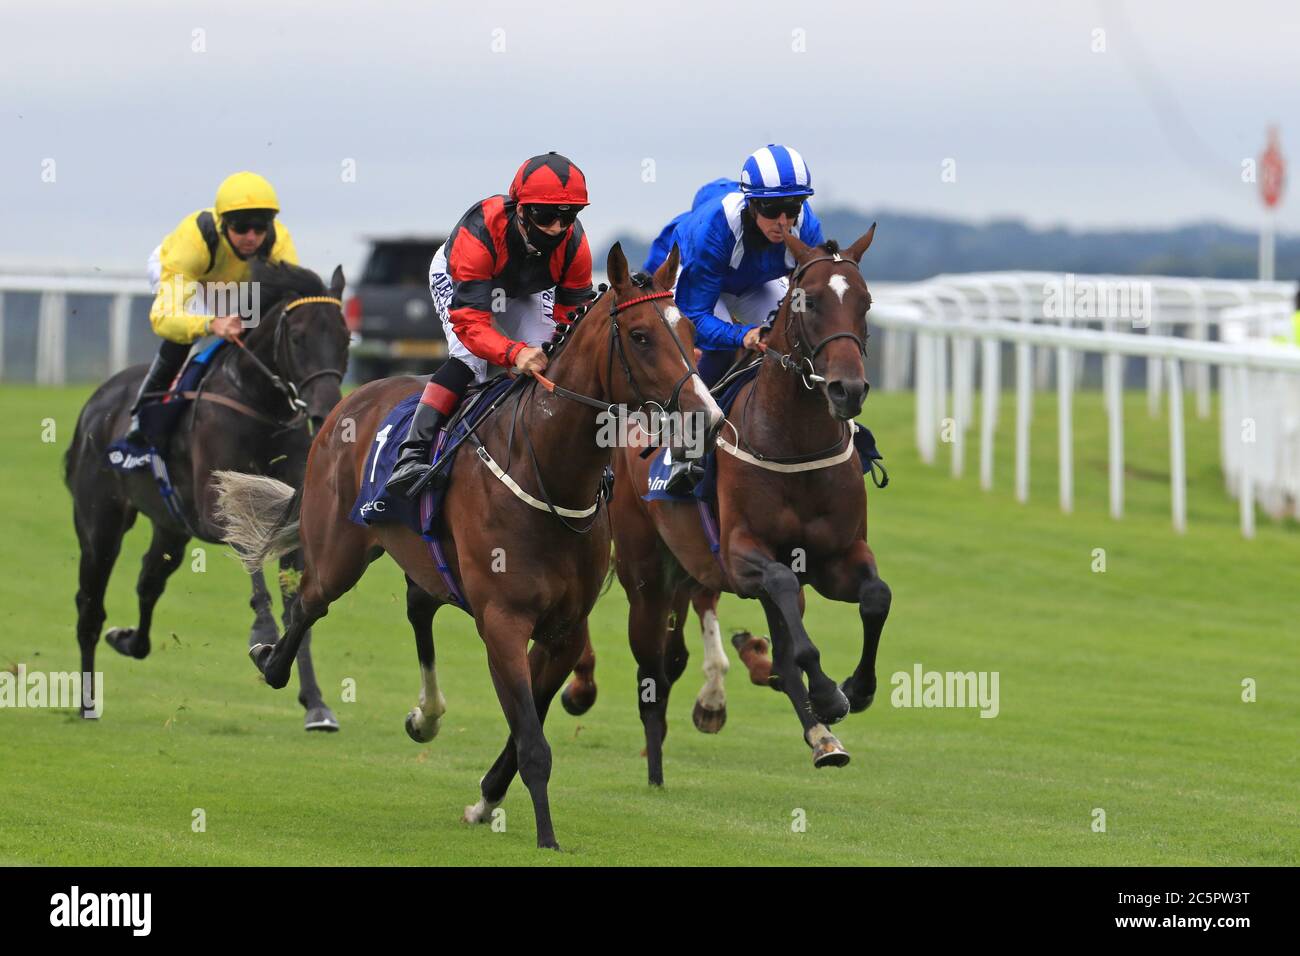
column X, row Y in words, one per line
column 257, row 411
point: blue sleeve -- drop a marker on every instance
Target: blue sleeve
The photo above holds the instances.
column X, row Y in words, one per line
column 699, row 284
column 811, row 230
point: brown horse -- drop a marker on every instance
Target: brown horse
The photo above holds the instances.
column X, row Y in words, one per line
column 791, row 511
column 553, row 569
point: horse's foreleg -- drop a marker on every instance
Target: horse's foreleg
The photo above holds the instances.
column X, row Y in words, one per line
column 318, row 716
column 166, row 551
column 579, row 694
column 547, row 671
column 506, row 634
column 647, row 627
column 710, row 712
column 425, row 719
column 856, row 579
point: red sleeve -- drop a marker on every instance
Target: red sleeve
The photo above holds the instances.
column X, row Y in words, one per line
column 575, row 285
column 470, row 268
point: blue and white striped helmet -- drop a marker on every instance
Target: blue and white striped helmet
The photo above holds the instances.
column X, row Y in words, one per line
column 776, row 171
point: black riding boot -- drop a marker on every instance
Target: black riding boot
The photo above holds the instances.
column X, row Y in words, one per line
column 413, row 456
column 168, row 361
column 683, row 475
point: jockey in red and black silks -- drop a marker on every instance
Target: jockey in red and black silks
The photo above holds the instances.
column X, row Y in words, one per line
column 513, row 269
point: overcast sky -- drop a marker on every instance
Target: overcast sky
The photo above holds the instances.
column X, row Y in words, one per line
column 145, row 106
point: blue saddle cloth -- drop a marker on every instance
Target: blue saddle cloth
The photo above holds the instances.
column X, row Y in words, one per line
column 160, row 416
column 707, row 488
column 422, row 515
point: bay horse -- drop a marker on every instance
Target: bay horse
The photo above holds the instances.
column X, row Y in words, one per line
column 254, row 411
column 523, row 573
column 791, row 511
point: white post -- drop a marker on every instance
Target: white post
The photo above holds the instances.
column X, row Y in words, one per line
column 925, row 396
column 1201, row 332
column 1246, row 487
column 119, row 331
column 961, row 374
column 1154, row 366
column 991, row 385
column 1065, row 418
column 1113, row 381
column 51, row 339
column 1266, row 249
column 1024, row 392
column 1177, row 459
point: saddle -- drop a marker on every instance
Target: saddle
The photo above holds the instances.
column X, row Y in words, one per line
column 422, row 515
column 160, row 413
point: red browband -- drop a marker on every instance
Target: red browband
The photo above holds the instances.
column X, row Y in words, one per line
column 620, row 306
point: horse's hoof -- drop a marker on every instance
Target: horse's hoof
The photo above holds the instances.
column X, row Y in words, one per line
column 321, row 718
column 577, row 704
column 858, row 701
column 754, row 654
column 428, row 734
column 832, row 708
column 826, row 747
column 709, row 721
column 548, row 845
column 259, row 654
column 123, row 640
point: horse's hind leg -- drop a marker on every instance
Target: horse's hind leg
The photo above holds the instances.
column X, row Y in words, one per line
column 425, row 719
column 579, row 694
column 547, row 671
column 648, row 633
column 263, row 630
column 710, row 714
column 319, row 717
column 335, row 554
column 100, row 537
column 165, row 554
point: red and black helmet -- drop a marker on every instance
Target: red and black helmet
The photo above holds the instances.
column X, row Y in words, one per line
column 551, row 180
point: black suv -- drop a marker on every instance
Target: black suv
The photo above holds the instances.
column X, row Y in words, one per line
column 395, row 328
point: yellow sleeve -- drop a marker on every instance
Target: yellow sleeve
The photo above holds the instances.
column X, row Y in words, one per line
column 283, row 250
column 184, row 259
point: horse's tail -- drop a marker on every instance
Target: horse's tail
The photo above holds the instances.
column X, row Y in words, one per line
column 258, row 516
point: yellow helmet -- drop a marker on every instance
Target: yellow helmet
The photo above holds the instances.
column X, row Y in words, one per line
column 245, row 191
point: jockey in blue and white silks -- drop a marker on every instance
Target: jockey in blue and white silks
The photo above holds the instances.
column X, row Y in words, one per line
column 733, row 260
column 734, row 265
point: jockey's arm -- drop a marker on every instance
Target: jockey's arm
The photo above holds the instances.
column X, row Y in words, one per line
column 698, row 289
column 184, row 258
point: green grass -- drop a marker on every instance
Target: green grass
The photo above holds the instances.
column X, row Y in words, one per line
column 1119, row 691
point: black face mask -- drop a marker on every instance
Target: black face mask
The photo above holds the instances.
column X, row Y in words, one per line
column 539, row 240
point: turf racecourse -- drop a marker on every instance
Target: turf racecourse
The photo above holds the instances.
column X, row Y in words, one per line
column 1118, row 690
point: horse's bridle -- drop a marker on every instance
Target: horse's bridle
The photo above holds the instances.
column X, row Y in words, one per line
column 291, row 386
column 616, row 347
column 805, row 363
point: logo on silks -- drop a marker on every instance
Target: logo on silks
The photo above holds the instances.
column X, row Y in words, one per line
column 126, row 462
column 374, row 506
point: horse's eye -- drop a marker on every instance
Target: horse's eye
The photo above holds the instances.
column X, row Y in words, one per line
column 640, row 338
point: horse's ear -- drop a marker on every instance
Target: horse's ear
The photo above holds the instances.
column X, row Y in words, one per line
column 616, row 266
column 666, row 274
column 856, row 251
column 797, row 246
column 337, row 282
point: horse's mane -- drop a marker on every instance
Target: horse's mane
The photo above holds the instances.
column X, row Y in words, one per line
column 278, row 281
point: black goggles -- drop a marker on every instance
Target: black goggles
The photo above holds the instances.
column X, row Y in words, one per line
column 241, row 224
column 774, row 206
column 545, row 215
